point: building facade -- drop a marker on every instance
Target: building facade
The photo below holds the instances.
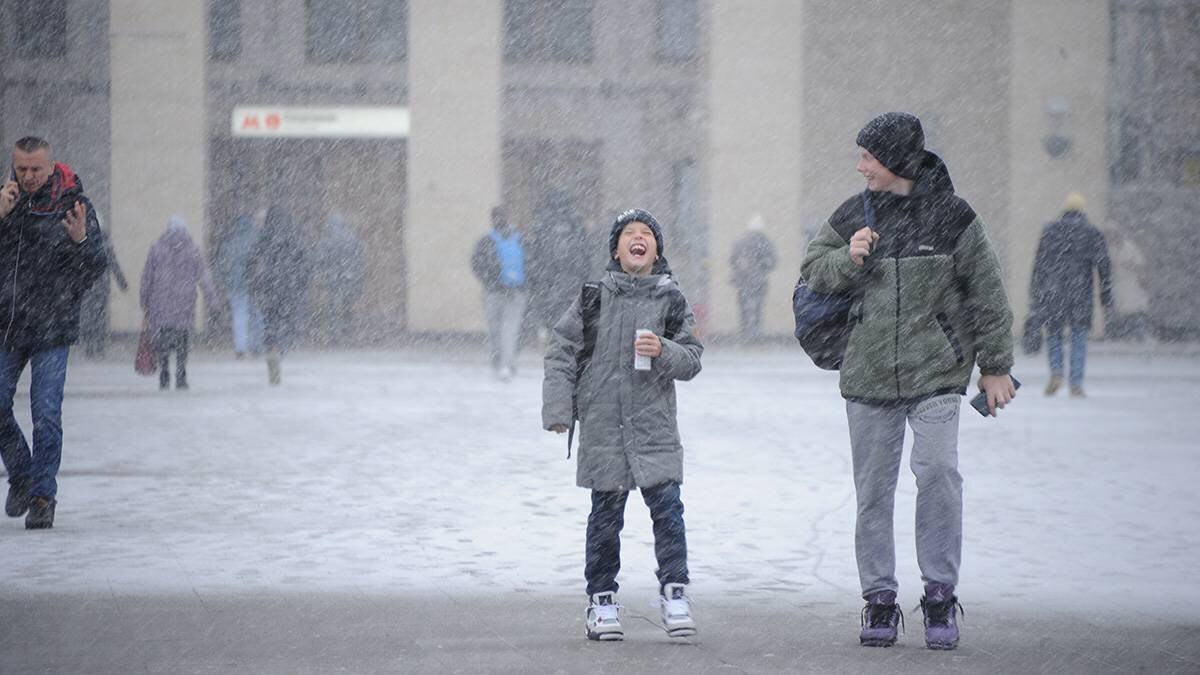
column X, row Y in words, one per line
column 705, row 112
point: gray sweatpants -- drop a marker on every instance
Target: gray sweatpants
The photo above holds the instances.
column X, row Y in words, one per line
column 877, row 443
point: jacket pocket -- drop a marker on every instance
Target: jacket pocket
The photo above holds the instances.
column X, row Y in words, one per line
column 951, row 336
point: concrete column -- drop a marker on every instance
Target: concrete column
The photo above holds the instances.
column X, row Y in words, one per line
column 454, row 151
column 1059, row 84
column 755, row 147
column 158, row 131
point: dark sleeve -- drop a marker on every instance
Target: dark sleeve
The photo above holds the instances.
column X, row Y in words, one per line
column 113, row 265
column 88, row 259
column 1041, row 265
column 1104, row 267
column 481, row 261
column 827, row 267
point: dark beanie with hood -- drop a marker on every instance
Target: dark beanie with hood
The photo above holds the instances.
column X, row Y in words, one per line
column 897, row 140
column 634, row 215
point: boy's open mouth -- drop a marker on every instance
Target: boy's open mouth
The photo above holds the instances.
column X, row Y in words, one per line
column 637, row 249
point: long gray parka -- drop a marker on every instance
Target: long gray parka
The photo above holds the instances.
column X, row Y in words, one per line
column 628, row 433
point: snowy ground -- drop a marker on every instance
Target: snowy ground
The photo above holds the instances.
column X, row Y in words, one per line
column 382, row 474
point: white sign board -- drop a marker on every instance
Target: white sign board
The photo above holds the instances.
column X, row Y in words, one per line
column 326, row 122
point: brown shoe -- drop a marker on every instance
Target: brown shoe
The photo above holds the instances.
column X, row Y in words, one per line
column 1077, row 392
column 1053, row 385
column 41, row 513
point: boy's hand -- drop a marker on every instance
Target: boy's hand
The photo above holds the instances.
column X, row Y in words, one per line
column 558, row 428
column 1000, row 391
column 861, row 244
column 648, row 344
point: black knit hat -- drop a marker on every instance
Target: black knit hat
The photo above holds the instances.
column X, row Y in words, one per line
column 628, row 217
column 897, row 141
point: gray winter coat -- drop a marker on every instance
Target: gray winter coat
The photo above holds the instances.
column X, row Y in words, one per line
column 628, row 433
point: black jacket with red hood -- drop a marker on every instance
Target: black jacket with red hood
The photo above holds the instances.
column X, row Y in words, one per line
column 43, row 273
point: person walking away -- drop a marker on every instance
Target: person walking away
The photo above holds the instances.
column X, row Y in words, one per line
column 278, row 277
column 93, row 311
column 928, row 304
column 752, row 260
column 340, row 271
column 174, row 268
column 232, row 263
column 1061, row 292
column 629, row 434
column 51, row 251
column 498, row 262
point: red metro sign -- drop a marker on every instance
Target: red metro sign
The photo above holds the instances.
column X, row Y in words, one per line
column 326, row 122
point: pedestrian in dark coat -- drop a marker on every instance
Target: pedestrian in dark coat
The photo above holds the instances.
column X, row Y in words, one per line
column 51, row 252
column 1061, row 292
column 278, row 276
column 174, row 268
column 751, row 262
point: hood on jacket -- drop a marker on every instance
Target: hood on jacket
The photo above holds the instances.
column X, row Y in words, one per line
column 932, row 201
column 59, row 192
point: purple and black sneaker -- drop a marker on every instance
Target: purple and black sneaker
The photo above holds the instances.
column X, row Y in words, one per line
column 941, row 608
column 880, row 620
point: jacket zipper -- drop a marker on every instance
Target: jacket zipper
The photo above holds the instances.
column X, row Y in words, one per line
column 12, row 316
column 897, row 352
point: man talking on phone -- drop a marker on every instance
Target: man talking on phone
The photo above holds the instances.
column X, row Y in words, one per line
column 928, row 304
column 50, row 253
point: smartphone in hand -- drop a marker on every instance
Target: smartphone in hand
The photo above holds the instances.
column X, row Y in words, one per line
column 980, row 401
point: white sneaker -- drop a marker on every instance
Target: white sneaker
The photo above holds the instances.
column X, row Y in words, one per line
column 602, row 621
column 676, row 611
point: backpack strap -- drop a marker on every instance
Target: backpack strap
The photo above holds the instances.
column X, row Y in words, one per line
column 589, row 305
column 868, row 209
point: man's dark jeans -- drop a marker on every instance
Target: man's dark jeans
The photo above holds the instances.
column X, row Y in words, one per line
column 604, row 537
column 48, row 376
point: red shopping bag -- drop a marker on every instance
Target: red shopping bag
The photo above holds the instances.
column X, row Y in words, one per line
column 144, row 363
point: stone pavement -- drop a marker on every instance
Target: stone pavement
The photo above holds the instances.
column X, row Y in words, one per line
column 521, row 633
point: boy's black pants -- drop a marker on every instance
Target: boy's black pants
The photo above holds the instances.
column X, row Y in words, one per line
column 604, row 537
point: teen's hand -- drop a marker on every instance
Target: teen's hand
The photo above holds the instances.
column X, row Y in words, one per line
column 8, row 197
column 648, row 344
column 558, row 428
column 1000, row 391
column 76, row 222
column 861, row 244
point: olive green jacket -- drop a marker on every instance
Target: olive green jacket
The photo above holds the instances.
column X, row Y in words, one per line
column 930, row 302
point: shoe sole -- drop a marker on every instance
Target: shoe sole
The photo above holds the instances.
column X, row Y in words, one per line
column 876, row 643
column 611, row 636
column 683, row 631
column 941, row 646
